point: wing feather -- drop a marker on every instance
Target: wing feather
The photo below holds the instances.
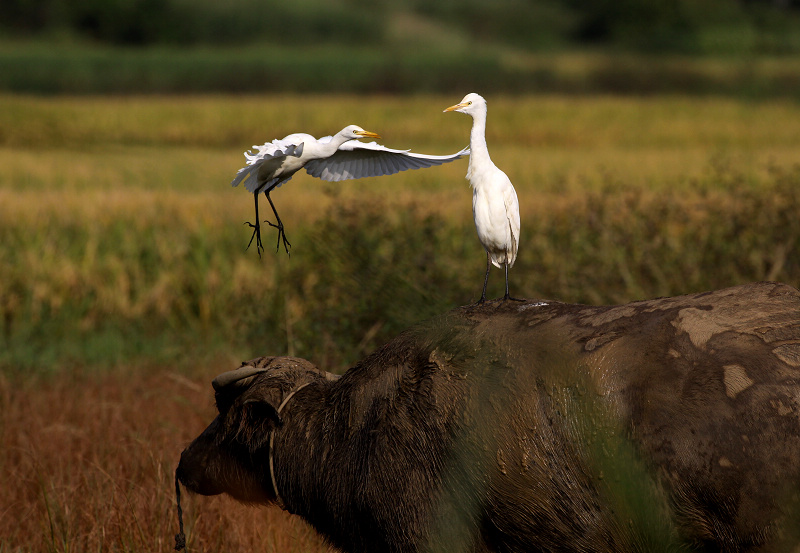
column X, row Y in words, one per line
column 389, row 165
column 275, row 150
column 512, row 211
column 356, row 160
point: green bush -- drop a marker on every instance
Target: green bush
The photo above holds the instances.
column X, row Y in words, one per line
column 78, row 69
column 119, row 291
column 660, row 26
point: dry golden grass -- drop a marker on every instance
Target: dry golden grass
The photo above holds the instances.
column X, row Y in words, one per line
column 159, row 167
column 86, row 182
column 88, row 465
column 547, row 145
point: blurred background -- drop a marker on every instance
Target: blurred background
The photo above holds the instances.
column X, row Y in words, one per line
column 654, row 146
column 403, row 46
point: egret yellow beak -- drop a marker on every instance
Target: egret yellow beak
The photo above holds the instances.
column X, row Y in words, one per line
column 367, row 134
column 455, row 107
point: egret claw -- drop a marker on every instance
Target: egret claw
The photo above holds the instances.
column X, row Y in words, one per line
column 281, row 236
column 257, row 235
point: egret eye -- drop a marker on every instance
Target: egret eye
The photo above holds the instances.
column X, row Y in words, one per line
column 469, row 103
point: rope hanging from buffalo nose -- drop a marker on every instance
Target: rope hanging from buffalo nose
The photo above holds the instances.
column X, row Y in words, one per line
column 180, row 537
column 278, row 498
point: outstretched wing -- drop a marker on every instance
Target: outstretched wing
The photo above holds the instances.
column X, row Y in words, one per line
column 355, row 160
column 266, row 160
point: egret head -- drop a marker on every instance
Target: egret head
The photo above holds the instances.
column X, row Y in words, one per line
column 471, row 104
column 353, row 132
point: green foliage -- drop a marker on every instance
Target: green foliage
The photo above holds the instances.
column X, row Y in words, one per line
column 75, row 69
column 663, row 26
column 122, row 243
column 150, row 22
column 368, row 271
column 662, row 244
column 124, row 289
column 543, row 24
column 82, row 70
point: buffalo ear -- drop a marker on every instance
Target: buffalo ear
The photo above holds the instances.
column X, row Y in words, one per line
column 258, row 418
column 261, row 410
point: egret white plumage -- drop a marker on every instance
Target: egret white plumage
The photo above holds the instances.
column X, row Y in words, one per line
column 494, row 201
column 331, row 158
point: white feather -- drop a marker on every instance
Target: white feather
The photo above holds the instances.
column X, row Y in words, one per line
column 356, row 160
column 331, row 158
column 495, row 206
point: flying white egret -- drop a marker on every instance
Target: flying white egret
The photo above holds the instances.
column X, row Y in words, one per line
column 494, row 201
column 331, row 158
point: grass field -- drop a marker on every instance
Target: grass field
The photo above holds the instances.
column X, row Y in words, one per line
column 125, row 285
column 90, row 465
column 123, row 243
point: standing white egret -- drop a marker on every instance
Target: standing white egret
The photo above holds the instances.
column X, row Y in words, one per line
column 331, row 158
column 494, row 201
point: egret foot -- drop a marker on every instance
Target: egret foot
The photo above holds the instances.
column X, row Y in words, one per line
column 281, row 236
column 257, row 235
column 507, row 297
column 256, row 230
column 279, row 226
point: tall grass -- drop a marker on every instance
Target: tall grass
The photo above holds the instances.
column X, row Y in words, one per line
column 414, row 65
column 125, row 284
column 123, row 243
column 170, row 285
column 88, row 465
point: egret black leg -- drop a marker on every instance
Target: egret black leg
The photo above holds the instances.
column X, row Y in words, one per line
column 256, row 230
column 507, row 296
column 279, row 226
column 486, row 279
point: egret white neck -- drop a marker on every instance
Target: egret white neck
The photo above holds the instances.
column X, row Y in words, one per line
column 479, row 151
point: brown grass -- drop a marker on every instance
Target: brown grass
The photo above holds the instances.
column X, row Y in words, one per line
column 88, row 465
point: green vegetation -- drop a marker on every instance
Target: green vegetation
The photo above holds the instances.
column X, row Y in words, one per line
column 686, row 26
column 406, row 46
column 46, row 68
column 123, row 244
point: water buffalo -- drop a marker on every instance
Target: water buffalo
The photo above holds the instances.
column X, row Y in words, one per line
column 670, row 424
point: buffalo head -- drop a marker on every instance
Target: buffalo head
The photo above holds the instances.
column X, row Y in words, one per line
column 232, row 454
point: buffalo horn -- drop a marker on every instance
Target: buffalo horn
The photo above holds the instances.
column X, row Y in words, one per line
column 235, row 376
